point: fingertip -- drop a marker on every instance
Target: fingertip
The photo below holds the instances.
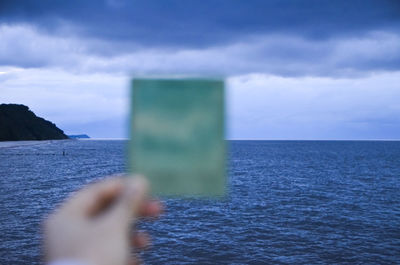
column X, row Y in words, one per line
column 136, row 189
column 152, row 208
column 140, row 240
column 137, row 183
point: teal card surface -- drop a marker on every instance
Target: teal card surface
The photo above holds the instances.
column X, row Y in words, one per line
column 177, row 135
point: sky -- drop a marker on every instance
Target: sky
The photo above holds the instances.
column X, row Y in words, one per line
column 294, row 69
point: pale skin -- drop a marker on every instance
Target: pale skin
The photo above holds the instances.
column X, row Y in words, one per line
column 94, row 225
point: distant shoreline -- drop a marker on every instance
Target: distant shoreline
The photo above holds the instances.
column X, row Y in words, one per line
column 12, row 144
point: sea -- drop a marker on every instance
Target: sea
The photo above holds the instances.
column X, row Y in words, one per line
column 288, row 202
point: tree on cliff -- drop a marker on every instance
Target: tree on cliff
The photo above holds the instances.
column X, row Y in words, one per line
column 17, row 122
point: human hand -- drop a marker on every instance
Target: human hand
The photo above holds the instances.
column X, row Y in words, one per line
column 93, row 226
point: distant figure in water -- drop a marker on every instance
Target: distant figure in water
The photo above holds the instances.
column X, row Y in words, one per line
column 63, row 152
column 94, row 225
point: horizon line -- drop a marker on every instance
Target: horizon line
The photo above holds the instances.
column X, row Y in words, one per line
column 251, row 139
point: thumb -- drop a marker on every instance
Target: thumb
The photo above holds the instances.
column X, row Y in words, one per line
column 134, row 193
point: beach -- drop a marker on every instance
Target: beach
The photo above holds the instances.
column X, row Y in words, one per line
column 11, row 144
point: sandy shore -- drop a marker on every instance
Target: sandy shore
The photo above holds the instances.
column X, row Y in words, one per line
column 9, row 144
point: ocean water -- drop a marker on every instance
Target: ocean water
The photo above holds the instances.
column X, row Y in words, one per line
column 289, row 202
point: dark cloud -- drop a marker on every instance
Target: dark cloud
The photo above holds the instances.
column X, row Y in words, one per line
column 281, row 55
column 193, row 23
column 228, row 37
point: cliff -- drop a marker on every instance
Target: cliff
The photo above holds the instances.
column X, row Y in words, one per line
column 17, row 122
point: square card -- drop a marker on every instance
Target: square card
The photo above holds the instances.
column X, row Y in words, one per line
column 177, row 135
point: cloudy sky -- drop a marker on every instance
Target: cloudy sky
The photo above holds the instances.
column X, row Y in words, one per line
column 295, row 69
